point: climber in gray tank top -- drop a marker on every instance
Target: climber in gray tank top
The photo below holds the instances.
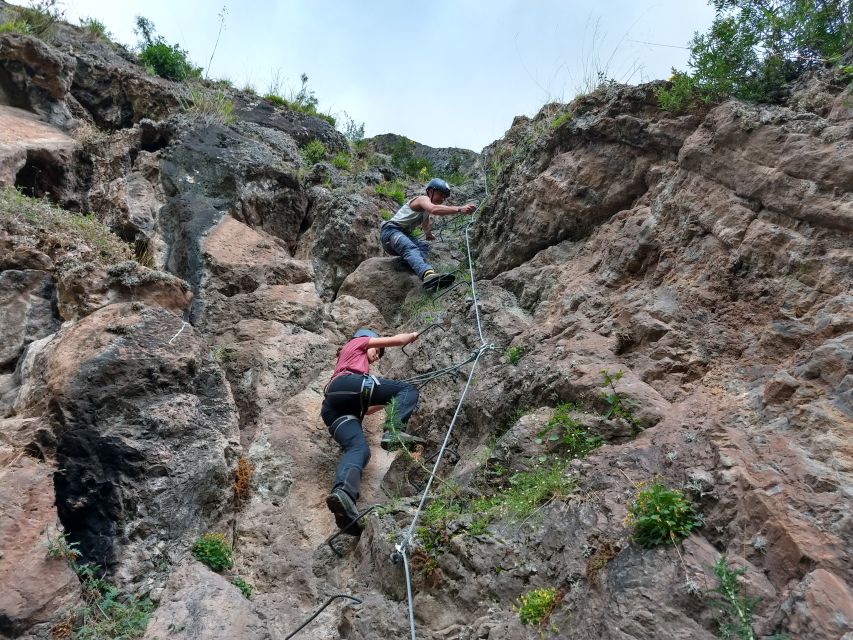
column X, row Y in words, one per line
column 396, row 234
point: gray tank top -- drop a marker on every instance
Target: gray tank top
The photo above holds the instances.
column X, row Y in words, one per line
column 406, row 218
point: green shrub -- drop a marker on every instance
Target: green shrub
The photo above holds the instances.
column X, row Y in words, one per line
column 564, row 429
column 223, row 355
column 96, row 28
column 735, row 607
column 59, row 547
column 527, row 491
column 352, row 130
column 561, row 119
column 420, row 168
column 616, row 405
column 401, row 151
column 535, row 607
column 160, row 58
column 393, row 190
column 39, row 19
column 107, row 613
column 513, row 354
column 513, row 418
column 302, row 100
column 659, row 515
column 168, row 61
column 313, row 152
column 753, row 48
column 456, row 178
column 15, row 26
column 342, row 161
column 213, row 550
column 276, row 100
column 680, row 95
column 385, row 214
column 244, row 587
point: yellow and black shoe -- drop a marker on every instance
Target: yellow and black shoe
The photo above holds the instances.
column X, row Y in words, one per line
column 434, row 281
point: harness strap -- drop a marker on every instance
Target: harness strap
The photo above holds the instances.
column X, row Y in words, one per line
column 367, row 386
column 339, row 421
column 365, row 394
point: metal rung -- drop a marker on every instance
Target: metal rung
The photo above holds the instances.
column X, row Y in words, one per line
column 334, row 536
column 320, row 610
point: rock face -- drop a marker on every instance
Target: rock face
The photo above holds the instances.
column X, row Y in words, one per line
column 145, row 432
column 445, row 161
column 198, row 603
column 37, row 587
column 675, row 289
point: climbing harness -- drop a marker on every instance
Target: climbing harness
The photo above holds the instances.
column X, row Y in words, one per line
column 365, row 394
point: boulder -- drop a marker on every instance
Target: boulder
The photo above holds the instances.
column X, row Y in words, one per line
column 198, row 604
column 146, row 435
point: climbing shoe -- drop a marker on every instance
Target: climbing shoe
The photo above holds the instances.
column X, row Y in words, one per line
column 393, row 440
column 343, row 507
column 434, row 281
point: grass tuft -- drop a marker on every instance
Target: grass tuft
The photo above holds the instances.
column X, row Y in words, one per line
column 56, row 228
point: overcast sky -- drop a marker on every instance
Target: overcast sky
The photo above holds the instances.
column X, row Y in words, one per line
column 444, row 73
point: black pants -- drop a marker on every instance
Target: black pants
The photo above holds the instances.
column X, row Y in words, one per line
column 344, row 400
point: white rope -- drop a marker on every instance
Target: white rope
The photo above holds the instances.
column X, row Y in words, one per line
column 402, row 548
column 473, row 289
column 184, row 325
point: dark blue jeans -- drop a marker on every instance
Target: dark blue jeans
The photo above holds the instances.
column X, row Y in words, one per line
column 413, row 251
column 344, row 400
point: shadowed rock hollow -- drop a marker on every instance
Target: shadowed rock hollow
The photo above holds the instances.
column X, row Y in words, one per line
column 705, row 257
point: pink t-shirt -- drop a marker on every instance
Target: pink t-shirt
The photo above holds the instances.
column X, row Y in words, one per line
column 353, row 357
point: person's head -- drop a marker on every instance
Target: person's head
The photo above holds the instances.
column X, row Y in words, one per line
column 437, row 190
column 373, row 353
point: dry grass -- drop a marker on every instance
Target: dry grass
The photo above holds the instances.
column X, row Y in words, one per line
column 62, row 630
column 57, row 231
column 606, row 551
column 243, row 480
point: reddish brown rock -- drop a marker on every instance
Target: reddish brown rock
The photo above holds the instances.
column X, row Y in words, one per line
column 86, row 287
column 384, row 282
column 36, row 588
column 821, row 606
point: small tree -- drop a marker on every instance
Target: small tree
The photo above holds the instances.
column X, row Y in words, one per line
column 168, row 61
column 754, row 47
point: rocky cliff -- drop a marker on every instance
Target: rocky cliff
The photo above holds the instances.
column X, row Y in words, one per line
column 664, row 301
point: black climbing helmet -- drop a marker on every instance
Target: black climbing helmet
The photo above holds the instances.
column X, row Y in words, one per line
column 367, row 333
column 439, row 185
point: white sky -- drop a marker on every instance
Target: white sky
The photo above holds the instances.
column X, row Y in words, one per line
column 444, row 73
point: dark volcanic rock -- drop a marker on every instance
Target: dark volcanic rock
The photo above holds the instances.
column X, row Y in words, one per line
column 146, row 435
